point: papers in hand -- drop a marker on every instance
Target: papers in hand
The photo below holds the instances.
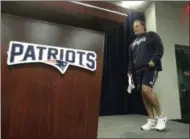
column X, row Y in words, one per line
column 131, row 84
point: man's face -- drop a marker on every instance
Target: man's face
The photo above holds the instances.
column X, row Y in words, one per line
column 138, row 28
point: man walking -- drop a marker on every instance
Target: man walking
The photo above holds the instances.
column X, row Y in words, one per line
column 145, row 55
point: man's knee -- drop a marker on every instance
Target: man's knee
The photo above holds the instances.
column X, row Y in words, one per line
column 146, row 90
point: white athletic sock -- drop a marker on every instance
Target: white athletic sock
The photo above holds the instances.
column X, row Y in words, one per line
column 162, row 115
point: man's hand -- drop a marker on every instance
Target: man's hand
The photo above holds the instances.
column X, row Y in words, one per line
column 129, row 74
column 131, row 85
column 151, row 64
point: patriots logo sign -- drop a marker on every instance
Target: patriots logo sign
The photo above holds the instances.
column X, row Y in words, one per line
column 58, row 57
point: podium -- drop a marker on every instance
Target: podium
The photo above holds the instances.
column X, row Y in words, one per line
column 39, row 102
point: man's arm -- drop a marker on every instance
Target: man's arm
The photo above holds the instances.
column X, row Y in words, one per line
column 130, row 65
column 157, row 46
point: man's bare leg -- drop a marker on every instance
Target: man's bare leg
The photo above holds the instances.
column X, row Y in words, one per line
column 151, row 123
column 154, row 113
column 148, row 108
column 153, row 100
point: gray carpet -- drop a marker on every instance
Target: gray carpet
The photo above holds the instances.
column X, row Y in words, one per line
column 128, row 126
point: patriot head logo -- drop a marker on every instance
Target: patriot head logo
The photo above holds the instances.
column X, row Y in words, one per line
column 59, row 64
column 58, row 57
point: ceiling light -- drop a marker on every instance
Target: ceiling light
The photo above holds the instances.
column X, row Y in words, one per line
column 131, row 4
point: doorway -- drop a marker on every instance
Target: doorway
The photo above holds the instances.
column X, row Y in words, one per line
column 182, row 54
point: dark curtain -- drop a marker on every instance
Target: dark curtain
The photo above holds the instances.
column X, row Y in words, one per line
column 114, row 97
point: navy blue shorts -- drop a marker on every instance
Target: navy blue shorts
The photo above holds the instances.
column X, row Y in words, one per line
column 146, row 77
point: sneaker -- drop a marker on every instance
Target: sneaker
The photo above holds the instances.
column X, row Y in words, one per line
column 161, row 123
column 151, row 124
column 156, row 119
